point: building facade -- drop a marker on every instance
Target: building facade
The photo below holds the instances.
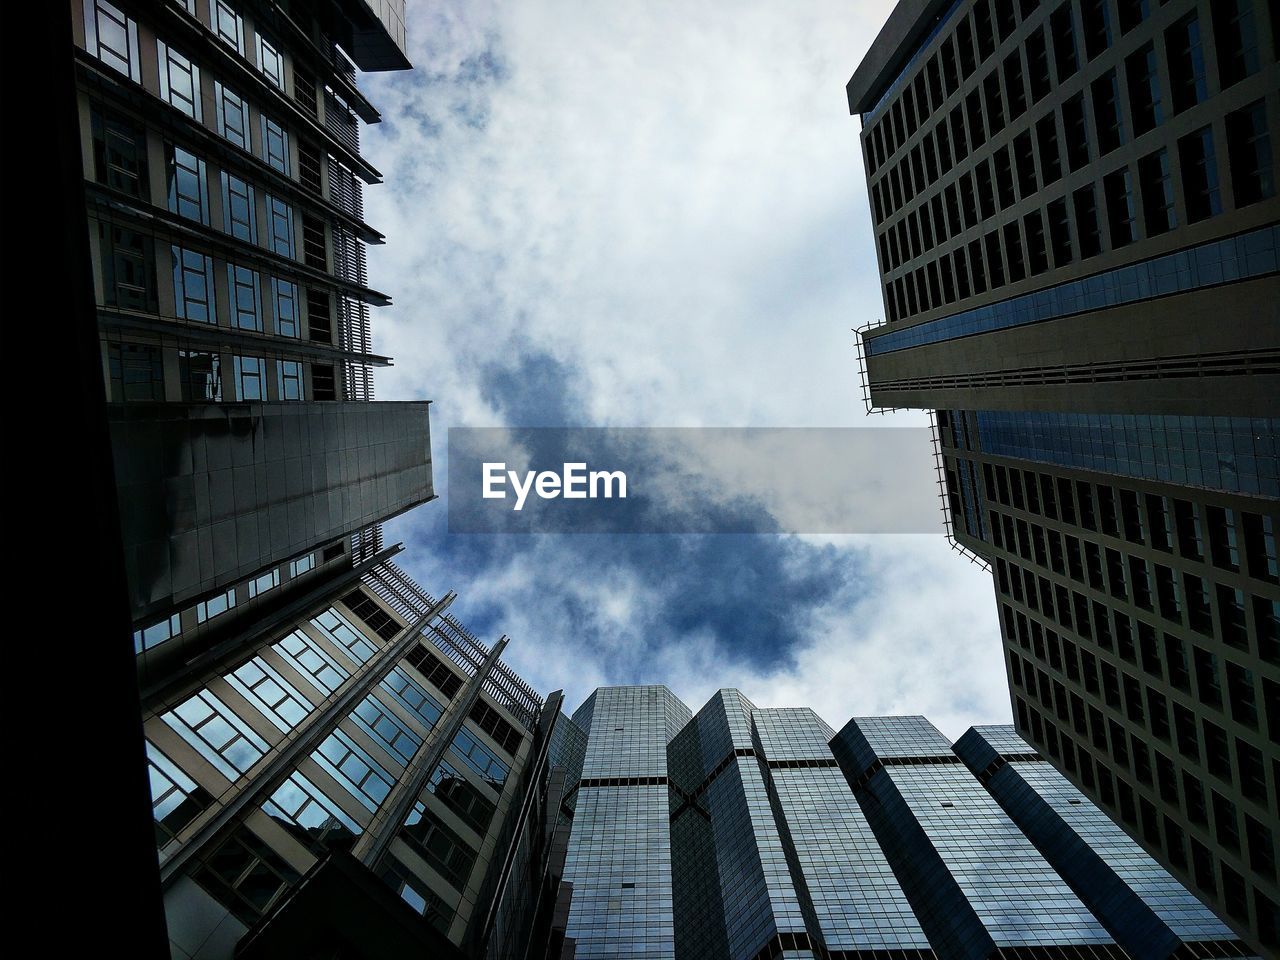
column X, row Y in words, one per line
column 224, row 190
column 1076, row 224
column 357, row 776
column 741, row 832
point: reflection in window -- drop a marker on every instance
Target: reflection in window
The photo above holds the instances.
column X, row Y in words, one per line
column 289, row 379
column 136, row 372
column 119, row 154
column 314, row 664
column 285, row 296
column 259, row 683
column 246, row 313
column 341, row 631
column 302, row 565
column 217, row 734
column 229, row 25
column 188, row 186
column 275, row 145
column 238, row 214
column 280, row 226
column 250, row 376
column 112, row 37
column 233, row 116
column 480, row 758
column 457, row 793
column 270, row 62
column 377, row 720
column 157, row 633
column 201, row 375
column 215, row 606
column 246, row 875
column 443, row 849
column 179, row 81
column 317, row 821
column 193, row 292
column 260, row 585
column 353, row 767
column 413, row 696
column 176, row 799
column 410, row 888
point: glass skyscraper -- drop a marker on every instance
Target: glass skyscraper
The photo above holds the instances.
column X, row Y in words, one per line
column 1077, row 232
column 748, row 833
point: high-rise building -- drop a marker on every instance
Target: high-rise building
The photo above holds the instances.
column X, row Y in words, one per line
column 1076, row 225
column 223, row 183
column 359, row 776
column 749, row 833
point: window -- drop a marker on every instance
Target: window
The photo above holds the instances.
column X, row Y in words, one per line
column 317, row 667
column 179, row 81
column 112, row 38
column 215, row 606
column 1199, row 175
column 246, row 313
column 157, row 633
column 1157, row 192
column 238, row 214
column 1236, row 33
column 456, row 792
column 270, row 62
column 136, row 372
column 289, row 379
column 193, row 292
column 217, row 734
column 176, row 799
column 1144, row 89
column 250, row 374
column 340, row 630
column 1077, row 134
column 280, row 226
column 424, row 901
column 377, row 720
column 229, row 25
column 305, row 811
column 201, row 375
column 120, row 154
column 414, row 696
column 246, row 876
column 1186, row 63
column 1097, row 27
column 259, row 683
column 480, row 758
column 233, row 116
column 1249, row 147
column 1118, row 187
column 1061, row 28
column 354, row 769
column 188, row 185
column 302, row 565
column 443, row 849
column 275, row 145
column 431, row 667
column 1087, row 232
column 1106, row 112
column 260, row 585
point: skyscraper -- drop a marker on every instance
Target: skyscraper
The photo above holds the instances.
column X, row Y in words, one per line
column 742, row 832
column 1075, row 215
column 359, row 763
column 224, row 189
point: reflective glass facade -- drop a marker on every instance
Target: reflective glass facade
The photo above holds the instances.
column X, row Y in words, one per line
column 778, row 837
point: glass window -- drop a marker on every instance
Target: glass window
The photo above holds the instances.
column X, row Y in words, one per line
column 246, row 875
column 136, row 372
column 246, row 312
column 233, row 115
column 302, row 565
column 341, row 631
column 260, row 585
column 229, row 25
column 377, row 720
column 120, row 154
column 179, row 81
column 304, row 811
column 1235, row 30
column 354, row 768
column 275, row 145
column 176, row 799
column 414, row 696
column 259, row 683
column 1157, row 192
column 1249, row 147
column 270, row 62
column 305, row 655
column 280, row 226
column 480, row 758
column 443, row 849
column 285, row 296
column 1186, row 63
column 1199, row 175
column 112, row 37
column 157, row 633
column 238, row 215
column 215, row 606
column 289, row 379
column 201, row 377
column 457, row 793
column 188, row 185
column 250, row 373
column 217, row 734
column 193, row 291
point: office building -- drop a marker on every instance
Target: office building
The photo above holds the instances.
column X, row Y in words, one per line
column 745, row 833
column 1075, row 215
column 360, row 777
column 220, row 144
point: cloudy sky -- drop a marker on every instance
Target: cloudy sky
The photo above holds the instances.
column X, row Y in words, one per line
column 653, row 214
